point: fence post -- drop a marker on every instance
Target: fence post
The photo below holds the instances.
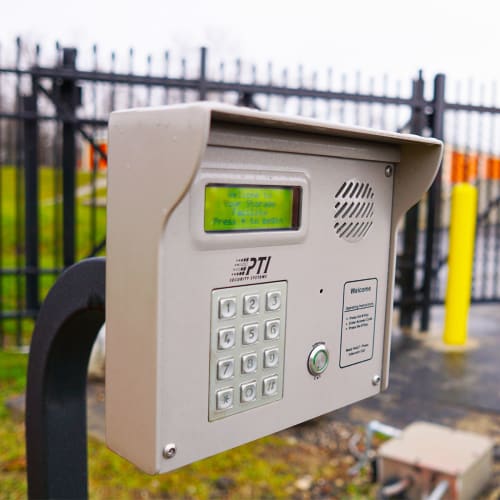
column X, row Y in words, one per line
column 408, row 258
column 203, row 74
column 70, row 99
column 433, row 229
column 31, row 199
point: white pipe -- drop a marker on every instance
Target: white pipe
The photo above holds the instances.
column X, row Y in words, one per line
column 376, row 427
column 439, row 491
column 397, row 488
column 373, row 427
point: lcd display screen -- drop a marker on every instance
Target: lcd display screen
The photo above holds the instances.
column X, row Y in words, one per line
column 251, row 208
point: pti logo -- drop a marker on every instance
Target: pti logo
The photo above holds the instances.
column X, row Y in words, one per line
column 250, row 268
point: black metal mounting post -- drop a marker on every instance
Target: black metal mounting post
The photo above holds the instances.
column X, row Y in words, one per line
column 433, row 225
column 409, row 292
column 56, row 427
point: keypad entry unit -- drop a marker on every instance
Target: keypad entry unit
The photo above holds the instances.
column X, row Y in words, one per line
column 199, row 324
column 247, row 347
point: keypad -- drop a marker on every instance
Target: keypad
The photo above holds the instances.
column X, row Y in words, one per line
column 247, row 340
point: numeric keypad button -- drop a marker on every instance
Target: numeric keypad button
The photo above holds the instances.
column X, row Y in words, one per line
column 224, row 399
column 250, row 304
column 227, row 308
column 249, row 363
column 271, row 358
column 273, row 300
column 250, row 333
column 227, row 338
column 248, row 392
column 272, row 329
column 270, row 386
column 225, row 369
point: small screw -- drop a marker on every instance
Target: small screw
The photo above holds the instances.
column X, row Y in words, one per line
column 388, row 171
column 376, row 380
column 169, row 451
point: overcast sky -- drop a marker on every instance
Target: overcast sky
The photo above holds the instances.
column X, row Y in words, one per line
column 460, row 38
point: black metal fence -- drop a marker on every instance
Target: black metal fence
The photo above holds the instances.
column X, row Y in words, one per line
column 53, row 118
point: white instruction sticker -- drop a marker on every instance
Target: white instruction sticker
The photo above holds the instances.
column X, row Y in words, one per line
column 358, row 321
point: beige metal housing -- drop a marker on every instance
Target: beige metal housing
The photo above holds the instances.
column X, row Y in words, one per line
column 428, row 453
column 162, row 268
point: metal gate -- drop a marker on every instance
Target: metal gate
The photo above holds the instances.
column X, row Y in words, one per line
column 53, row 118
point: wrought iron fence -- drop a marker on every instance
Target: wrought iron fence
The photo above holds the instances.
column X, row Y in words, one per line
column 53, row 118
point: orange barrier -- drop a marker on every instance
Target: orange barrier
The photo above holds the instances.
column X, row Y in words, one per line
column 471, row 167
column 90, row 155
column 101, row 162
column 457, row 167
column 493, row 168
column 464, row 167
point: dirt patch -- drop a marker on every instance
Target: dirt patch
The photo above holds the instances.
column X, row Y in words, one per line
column 321, row 452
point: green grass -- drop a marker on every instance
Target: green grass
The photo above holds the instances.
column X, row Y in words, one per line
column 266, row 468
column 12, row 455
column 50, row 246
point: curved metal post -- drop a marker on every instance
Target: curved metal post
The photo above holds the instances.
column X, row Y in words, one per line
column 56, row 432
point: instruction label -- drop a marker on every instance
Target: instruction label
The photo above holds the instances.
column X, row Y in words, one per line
column 358, row 321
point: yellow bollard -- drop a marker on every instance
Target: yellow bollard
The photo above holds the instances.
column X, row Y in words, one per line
column 460, row 263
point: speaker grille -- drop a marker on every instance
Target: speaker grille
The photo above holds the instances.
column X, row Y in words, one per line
column 353, row 210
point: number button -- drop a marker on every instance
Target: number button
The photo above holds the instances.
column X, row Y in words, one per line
column 250, row 304
column 270, row 386
column 248, row 392
column 272, row 329
column 227, row 338
column 273, row 300
column 271, row 358
column 227, row 308
column 250, row 333
column 225, row 399
column 249, row 363
column 225, row 369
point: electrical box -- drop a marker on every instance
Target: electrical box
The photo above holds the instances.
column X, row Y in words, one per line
column 426, row 454
column 250, row 271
